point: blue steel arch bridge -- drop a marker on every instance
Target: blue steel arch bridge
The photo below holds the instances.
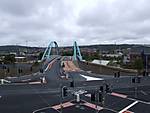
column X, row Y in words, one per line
column 49, row 54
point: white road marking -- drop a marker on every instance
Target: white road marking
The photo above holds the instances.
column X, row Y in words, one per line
column 126, row 108
column 125, row 96
column 139, row 101
column 35, row 82
column 41, row 109
column 143, row 92
column 50, row 64
column 47, row 66
column 0, row 96
column 90, row 78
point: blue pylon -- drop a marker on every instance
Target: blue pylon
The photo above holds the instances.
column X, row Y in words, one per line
column 77, row 53
column 48, row 50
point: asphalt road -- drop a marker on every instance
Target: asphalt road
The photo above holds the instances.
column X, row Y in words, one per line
column 29, row 98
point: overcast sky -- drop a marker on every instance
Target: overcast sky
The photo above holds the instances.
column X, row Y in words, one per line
column 37, row 22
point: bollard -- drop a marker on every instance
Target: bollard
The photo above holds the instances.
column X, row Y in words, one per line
column 43, row 80
column 2, row 81
column 78, row 98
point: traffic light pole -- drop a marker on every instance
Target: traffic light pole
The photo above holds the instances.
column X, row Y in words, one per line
column 136, row 89
column 61, row 98
column 61, row 107
column 103, row 101
column 97, row 100
column 135, row 81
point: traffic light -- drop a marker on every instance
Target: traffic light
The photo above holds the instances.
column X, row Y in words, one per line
column 133, row 80
column 144, row 73
column 93, row 97
column 118, row 74
column 64, row 91
column 72, row 84
column 63, row 65
column 101, row 88
column 4, row 67
column 19, row 70
column 31, row 68
column 87, row 63
column 115, row 75
column 107, row 88
column 138, row 80
column 8, row 70
column 100, row 97
column 147, row 73
column 41, row 70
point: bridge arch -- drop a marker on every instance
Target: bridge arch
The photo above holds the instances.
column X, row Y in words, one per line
column 77, row 53
column 48, row 50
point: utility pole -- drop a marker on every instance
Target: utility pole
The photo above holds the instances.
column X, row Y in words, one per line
column 146, row 65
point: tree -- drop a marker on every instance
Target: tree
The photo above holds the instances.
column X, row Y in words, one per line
column 90, row 57
column 9, row 59
column 67, row 53
column 40, row 56
column 138, row 65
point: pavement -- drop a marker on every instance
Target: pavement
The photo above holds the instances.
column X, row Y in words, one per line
column 125, row 96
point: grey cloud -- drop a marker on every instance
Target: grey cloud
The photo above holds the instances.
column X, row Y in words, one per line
column 117, row 21
column 22, row 7
column 41, row 21
column 31, row 20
